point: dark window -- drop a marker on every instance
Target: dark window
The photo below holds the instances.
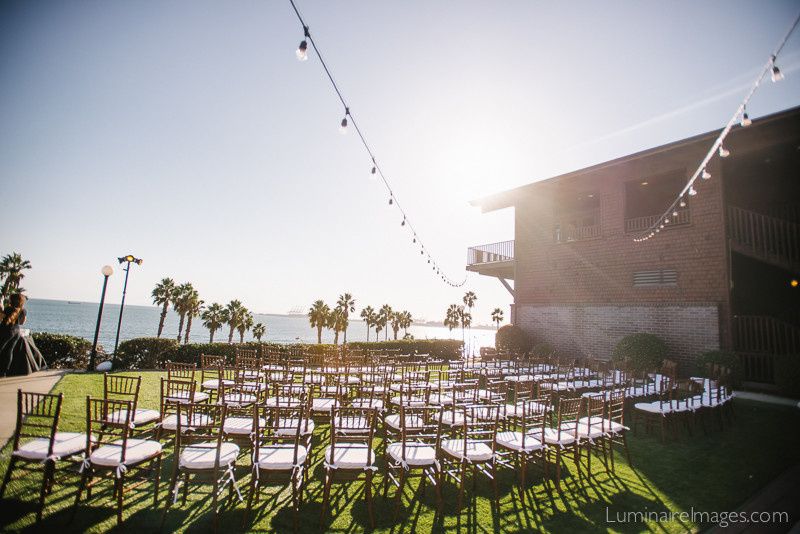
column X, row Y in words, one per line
column 647, row 199
column 576, row 217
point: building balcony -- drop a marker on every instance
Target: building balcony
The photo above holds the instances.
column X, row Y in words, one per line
column 494, row 259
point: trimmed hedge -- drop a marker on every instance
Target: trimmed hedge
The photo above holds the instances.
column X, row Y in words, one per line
column 153, row 353
column 63, row 351
column 543, row 349
column 513, row 338
column 642, row 352
column 721, row 357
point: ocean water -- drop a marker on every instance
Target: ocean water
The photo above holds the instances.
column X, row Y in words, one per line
column 79, row 319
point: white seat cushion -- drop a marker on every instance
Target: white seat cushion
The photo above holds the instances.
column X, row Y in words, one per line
column 413, row 422
column 138, row 451
column 551, row 436
column 280, row 457
column 593, row 430
column 453, row 418
column 653, row 407
column 141, row 416
column 203, row 455
column 417, row 454
column 273, row 401
column 183, row 396
column 238, row 399
column 289, row 426
column 438, row 399
column 170, row 422
column 349, row 456
column 476, row 451
column 323, row 405
column 514, row 441
column 65, row 444
column 241, row 426
column 367, row 403
column 214, row 383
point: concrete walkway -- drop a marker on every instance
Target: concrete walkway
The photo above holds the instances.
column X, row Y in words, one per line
column 39, row 382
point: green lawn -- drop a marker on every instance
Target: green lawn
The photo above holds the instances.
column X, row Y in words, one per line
column 714, row 473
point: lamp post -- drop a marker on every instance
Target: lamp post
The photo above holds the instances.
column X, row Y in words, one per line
column 128, row 260
column 106, row 271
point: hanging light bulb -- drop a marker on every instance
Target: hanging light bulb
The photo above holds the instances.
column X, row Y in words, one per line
column 777, row 75
column 683, row 203
column 414, row 240
column 675, row 213
column 666, row 221
column 745, row 122
column 662, row 225
column 343, row 126
column 724, row 152
column 391, row 200
column 705, row 175
column 404, row 222
column 692, row 191
column 302, row 50
column 421, row 252
column 372, row 173
column 429, row 260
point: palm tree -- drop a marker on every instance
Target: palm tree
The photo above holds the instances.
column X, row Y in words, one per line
column 337, row 321
column 368, row 314
column 162, row 294
column 194, row 306
column 384, row 318
column 235, row 313
column 406, row 321
column 378, row 328
column 497, row 317
column 465, row 318
column 318, row 317
column 11, row 267
column 452, row 319
column 347, row 304
column 181, row 298
column 259, row 330
column 213, row 317
column 469, row 299
column 245, row 324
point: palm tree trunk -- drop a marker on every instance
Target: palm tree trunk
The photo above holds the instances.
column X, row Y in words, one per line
column 211, row 337
column 163, row 318
column 335, row 337
column 344, row 342
column 241, row 336
column 180, row 326
column 230, row 335
column 188, row 329
column 319, row 335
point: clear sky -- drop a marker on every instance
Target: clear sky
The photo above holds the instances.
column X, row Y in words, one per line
column 188, row 134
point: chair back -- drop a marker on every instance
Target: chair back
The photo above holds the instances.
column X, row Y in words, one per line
column 110, row 421
column 181, row 371
column 568, row 414
column 37, row 417
column 200, row 423
column 121, row 387
column 533, row 420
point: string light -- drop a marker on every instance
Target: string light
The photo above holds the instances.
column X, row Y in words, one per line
column 349, row 120
column 777, row 75
column 717, row 148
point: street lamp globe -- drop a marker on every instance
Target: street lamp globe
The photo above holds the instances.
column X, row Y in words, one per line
column 107, row 270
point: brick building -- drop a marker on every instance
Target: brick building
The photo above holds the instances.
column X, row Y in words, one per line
column 718, row 276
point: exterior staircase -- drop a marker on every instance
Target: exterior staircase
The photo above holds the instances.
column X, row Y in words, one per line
column 769, row 239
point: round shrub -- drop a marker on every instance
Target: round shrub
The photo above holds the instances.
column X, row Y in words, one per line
column 642, row 352
column 721, row 357
column 145, row 353
column 543, row 349
column 513, row 338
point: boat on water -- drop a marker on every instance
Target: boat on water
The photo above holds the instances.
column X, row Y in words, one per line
column 72, row 302
column 296, row 311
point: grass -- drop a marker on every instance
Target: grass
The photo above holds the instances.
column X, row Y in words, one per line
column 715, row 473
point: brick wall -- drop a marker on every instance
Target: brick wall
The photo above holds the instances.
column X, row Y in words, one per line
column 592, row 330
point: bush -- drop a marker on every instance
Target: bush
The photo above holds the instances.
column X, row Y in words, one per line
column 145, row 353
column 543, row 349
column 721, row 357
column 513, row 338
column 642, row 352
column 446, row 349
column 153, row 353
column 787, row 375
column 62, row 351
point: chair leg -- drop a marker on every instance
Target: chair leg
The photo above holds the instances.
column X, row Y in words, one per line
column 84, row 479
column 253, row 489
column 523, row 467
column 326, row 495
column 558, row 467
column 295, row 502
column 7, row 477
column 463, row 476
column 186, row 488
column 368, row 493
column 399, row 496
column 214, row 499
column 158, row 481
column 438, row 486
column 49, row 468
column 120, row 484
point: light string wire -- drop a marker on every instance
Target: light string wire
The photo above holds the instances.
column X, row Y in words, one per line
column 739, row 114
column 392, row 197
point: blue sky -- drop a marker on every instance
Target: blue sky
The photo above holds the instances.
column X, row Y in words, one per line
column 187, row 133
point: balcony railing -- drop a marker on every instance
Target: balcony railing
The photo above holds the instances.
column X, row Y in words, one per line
column 575, row 233
column 640, row 224
column 491, row 253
